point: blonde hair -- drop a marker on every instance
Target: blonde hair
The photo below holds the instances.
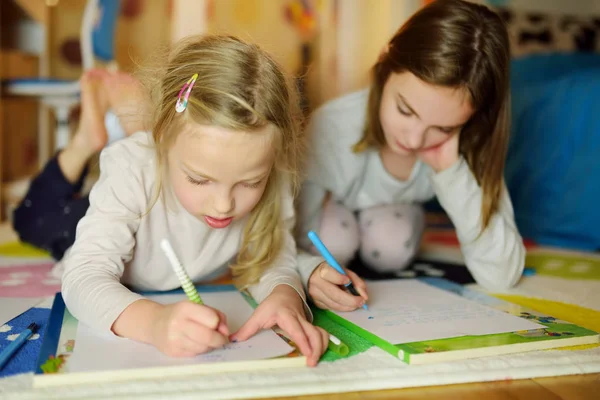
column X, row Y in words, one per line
column 454, row 43
column 239, row 87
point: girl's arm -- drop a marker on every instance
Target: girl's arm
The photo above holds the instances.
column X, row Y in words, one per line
column 104, row 243
column 496, row 256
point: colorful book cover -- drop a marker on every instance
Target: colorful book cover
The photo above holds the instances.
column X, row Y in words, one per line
column 557, row 333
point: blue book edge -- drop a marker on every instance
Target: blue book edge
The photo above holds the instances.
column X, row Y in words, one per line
column 52, row 333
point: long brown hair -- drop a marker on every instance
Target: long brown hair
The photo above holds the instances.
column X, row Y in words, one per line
column 454, row 43
column 239, row 87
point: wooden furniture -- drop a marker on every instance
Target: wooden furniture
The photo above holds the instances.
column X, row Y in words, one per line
column 18, row 123
column 19, row 118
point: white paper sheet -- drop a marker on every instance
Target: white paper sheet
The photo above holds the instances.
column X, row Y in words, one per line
column 11, row 307
column 102, row 352
column 405, row 311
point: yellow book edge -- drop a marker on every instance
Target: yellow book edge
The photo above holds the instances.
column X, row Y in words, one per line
column 456, row 355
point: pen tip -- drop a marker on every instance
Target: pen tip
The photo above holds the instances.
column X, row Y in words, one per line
column 33, row 327
column 365, row 307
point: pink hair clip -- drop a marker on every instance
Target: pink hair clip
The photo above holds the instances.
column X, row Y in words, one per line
column 182, row 102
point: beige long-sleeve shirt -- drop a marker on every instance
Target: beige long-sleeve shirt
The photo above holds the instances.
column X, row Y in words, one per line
column 116, row 249
column 359, row 180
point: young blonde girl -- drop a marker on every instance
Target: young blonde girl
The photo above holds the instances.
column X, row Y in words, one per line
column 433, row 123
column 216, row 178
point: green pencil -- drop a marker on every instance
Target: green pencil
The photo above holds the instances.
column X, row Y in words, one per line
column 186, row 283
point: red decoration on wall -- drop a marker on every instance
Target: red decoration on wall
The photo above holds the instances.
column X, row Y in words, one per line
column 210, row 10
column 70, row 50
column 131, row 8
column 169, row 9
column 301, row 14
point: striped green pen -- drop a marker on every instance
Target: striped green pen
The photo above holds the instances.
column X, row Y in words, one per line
column 186, row 283
column 337, row 346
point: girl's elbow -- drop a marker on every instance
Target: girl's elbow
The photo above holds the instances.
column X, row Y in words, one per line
column 65, row 286
column 502, row 273
column 512, row 269
column 517, row 264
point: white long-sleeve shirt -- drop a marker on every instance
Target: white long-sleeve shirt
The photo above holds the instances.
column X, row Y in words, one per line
column 114, row 247
column 359, row 180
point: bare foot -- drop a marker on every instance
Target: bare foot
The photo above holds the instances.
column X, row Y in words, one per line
column 91, row 136
column 126, row 98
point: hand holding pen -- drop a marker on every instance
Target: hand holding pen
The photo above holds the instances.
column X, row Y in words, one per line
column 186, row 328
column 333, row 287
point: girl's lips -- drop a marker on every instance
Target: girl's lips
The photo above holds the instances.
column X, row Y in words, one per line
column 435, row 146
column 404, row 147
column 217, row 223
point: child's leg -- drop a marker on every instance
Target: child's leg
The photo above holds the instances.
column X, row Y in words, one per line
column 391, row 235
column 91, row 135
column 339, row 232
column 49, row 213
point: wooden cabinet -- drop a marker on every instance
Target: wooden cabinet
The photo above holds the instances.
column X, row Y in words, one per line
column 18, row 123
column 18, row 115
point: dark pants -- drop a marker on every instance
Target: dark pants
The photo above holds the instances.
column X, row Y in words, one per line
column 48, row 215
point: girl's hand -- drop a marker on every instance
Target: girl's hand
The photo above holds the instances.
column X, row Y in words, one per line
column 442, row 156
column 285, row 308
column 325, row 287
column 186, row 329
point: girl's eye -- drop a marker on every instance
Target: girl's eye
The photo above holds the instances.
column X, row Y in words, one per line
column 196, row 182
column 404, row 111
column 447, row 130
column 252, row 185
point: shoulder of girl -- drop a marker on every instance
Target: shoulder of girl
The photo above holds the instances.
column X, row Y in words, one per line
column 134, row 151
column 348, row 102
column 341, row 121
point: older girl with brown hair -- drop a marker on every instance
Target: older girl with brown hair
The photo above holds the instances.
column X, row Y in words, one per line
column 434, row 122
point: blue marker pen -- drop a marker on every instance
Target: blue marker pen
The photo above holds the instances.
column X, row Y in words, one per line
column 314, row 238
column 12, row 348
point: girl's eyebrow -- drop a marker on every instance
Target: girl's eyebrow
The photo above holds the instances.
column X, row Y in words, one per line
column 258, row 177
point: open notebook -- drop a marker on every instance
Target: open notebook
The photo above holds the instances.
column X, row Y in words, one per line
column 434, row 320
column 73, row 353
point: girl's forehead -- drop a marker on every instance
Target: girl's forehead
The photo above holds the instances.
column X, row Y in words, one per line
column 220, row 149
column 220, row 136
